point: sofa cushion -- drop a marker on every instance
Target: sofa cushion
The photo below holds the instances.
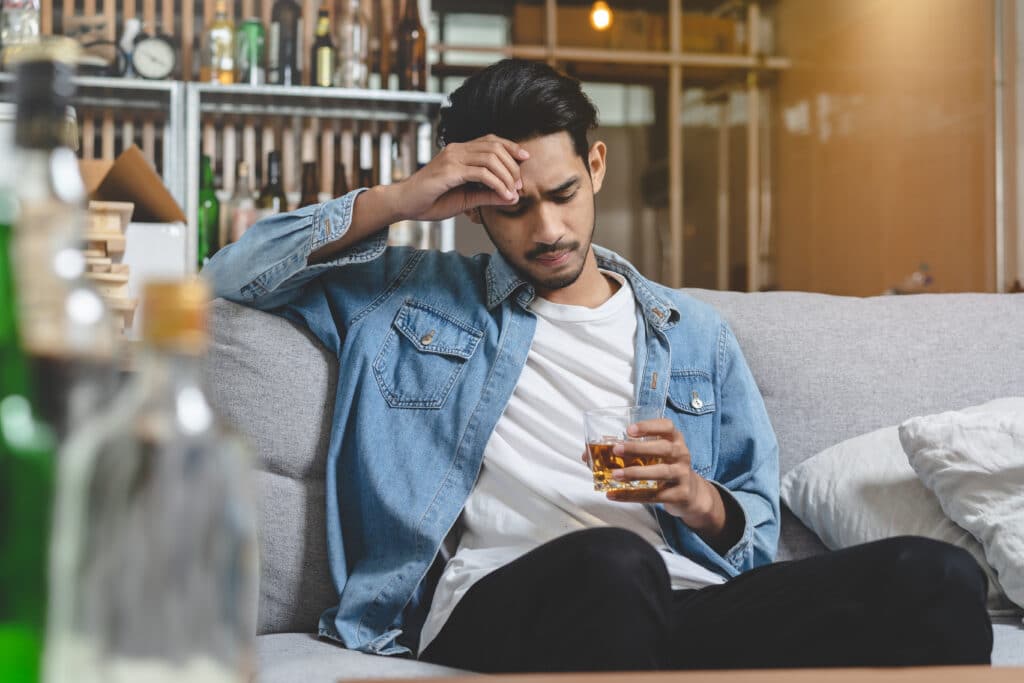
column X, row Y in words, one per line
column 832, row 367
column 275, row 383
column 291, row 657
column 864, row 490
column 974, row 462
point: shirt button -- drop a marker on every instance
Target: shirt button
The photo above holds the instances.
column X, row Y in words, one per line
column 427, row 338
column 696, row 402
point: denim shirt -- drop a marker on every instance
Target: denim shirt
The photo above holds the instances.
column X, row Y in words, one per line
column 430, row 347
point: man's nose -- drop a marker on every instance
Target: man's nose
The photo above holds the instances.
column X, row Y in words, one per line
column 547, row 225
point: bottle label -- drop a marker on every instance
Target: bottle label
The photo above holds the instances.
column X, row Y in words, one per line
column 274, row 52
column 324, row 66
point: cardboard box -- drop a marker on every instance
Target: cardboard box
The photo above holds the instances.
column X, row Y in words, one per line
column 130, row 178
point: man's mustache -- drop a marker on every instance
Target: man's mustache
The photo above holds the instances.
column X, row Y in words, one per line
column 542, row 249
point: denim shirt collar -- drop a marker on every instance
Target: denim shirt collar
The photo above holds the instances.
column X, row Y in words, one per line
column 503, row 280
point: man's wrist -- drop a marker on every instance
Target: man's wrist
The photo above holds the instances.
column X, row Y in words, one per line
column 386, row 203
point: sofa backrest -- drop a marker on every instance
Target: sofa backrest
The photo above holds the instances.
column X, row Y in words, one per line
column 829, row 368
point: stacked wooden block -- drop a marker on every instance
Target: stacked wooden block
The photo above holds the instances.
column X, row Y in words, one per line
column 105, row 245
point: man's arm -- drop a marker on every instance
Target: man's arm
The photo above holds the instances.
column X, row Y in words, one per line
column 274, row 260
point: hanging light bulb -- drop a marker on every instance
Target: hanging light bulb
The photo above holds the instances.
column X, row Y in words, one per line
column 600, row 16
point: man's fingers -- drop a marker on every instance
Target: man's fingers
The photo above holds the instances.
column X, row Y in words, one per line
column 514, row 148
column 662, row 472
column 495, row 165
column 662, row 427
column 659, row 448
column 484, row 176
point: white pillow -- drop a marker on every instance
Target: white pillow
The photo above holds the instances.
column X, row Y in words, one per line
column 974, row 462
column 863, row 490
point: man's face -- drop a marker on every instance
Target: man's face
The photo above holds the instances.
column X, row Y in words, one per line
column 547, row 235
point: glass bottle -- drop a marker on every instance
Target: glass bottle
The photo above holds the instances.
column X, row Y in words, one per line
column 272, row 198
column 323, row 55
column 221, row 39
column 154, row 566
column 26, row 486
column 412, row 49
column 209, row 214
column 353, row 46
column 242, row 205
column 283, row 44
column 65, row 328
column 381, row 43
column 310, row 184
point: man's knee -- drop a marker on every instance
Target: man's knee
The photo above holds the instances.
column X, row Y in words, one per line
column 618, row 561
column 929, row 566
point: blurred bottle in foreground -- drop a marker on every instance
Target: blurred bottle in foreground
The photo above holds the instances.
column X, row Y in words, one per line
column 26, row 485
column 209, row 214
column 154, row 560
column 66, row 331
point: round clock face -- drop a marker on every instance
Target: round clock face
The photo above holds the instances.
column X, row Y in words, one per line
column 154, row 58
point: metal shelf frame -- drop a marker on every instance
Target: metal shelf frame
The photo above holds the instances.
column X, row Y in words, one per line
column 205, row 99
column 128, row 94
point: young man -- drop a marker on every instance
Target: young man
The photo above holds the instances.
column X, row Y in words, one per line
column 462, row 522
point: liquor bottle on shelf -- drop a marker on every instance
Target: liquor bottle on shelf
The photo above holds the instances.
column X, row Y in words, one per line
column 241, row 208
column 384, row 23
column 26, row 484
column 323, row 56
column 284, row 44
column 250, row 48
column 154, row 565
column 353, row 45
column 272, row 198
column 66, row 331
column 221, row 40
column 365, row 159
column 209, row 214
column 412, row 49
column 341, row 186
column 310, row 184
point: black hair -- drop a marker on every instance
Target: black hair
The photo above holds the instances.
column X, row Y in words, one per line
column 518, row 99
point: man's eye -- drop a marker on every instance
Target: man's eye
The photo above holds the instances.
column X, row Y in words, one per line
column 565, row 199
column 517, row 211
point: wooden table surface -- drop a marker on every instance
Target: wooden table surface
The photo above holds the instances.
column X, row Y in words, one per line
column 949, row 674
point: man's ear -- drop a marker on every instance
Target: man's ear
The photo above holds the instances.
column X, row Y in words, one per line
column 596, row 163
column 474, row 216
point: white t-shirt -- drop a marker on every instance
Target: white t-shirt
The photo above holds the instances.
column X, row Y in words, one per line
column 533, row 486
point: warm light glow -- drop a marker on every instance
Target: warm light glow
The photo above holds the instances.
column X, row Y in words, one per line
column 600, row 16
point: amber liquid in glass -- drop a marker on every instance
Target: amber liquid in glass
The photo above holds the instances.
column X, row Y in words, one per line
column 605, row 460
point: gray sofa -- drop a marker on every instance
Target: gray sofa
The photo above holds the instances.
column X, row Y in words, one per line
column 829, row 368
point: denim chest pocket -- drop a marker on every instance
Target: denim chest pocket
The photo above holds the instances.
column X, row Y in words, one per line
column 423, row 355
column 691, row 400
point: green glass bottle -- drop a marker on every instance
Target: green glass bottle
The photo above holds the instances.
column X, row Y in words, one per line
column 26, row 486
column 209, row 214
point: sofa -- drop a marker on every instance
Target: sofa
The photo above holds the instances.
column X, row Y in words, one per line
column 829, row 368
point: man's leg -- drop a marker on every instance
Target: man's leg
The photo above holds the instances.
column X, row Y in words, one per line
column 592, row 600
column 901, row 601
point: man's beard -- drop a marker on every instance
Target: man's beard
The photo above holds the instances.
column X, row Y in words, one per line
column 554, row 282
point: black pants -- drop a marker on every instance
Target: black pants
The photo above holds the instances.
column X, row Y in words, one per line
column 600, row 599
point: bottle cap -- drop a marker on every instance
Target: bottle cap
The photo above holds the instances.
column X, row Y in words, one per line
column 174, row 315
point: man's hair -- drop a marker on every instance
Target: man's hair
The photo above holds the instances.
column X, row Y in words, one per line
column 518, row 99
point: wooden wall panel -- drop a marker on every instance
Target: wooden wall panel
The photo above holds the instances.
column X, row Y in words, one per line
column 885, row 144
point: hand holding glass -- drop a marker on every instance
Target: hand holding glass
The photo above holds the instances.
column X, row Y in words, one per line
column 604, row 429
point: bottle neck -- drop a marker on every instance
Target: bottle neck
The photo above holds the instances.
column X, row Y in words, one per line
column 323, row 27
column 173, row 378
column 274, row 173
column 412, row 12
column 206, row 180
